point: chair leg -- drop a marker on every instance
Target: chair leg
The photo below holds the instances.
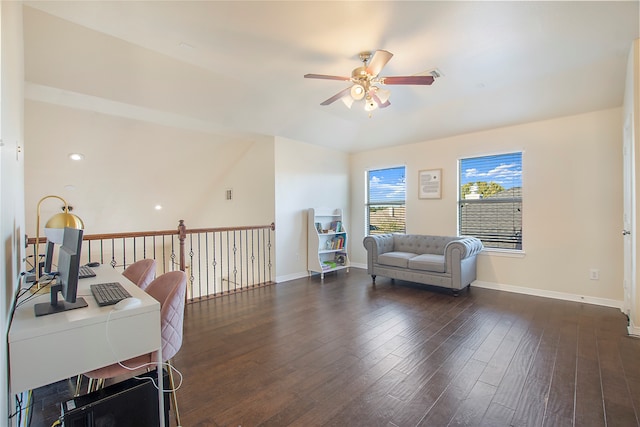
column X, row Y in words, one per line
column 174, row 398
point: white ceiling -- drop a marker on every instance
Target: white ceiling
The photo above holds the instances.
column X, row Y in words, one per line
column 243, row 64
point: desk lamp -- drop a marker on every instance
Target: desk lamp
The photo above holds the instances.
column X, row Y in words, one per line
column 54, row 229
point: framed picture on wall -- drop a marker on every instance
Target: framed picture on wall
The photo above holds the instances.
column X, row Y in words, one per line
column 430, row 184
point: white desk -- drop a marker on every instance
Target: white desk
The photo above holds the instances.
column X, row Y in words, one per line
column 46, row 349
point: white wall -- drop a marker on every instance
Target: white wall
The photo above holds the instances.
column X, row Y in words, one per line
column 307, row 176
column 572, row 207
column 11, row 173
column 632, row 114
column 247, row 169
column 130, row 166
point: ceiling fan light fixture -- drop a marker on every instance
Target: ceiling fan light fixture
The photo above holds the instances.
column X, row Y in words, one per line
column 348, row 101
column 357, row 92
column 370, row 104
column 366, row 80
column 383, row 94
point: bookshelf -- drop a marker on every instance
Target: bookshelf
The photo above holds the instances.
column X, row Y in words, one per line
column 327, row 241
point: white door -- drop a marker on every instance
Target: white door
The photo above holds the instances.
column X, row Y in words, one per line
column 628, row 215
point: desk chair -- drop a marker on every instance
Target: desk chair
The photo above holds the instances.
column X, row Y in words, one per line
column 141, row 272
column 169, row 289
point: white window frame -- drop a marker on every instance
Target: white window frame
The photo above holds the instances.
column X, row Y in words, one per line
column 507, row 244
column 398, row 202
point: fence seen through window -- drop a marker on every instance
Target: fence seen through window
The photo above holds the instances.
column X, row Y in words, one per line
column 386, row 201
column 490, row 200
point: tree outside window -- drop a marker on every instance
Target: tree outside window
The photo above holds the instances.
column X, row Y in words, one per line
column 386, row 201
column 490, row 200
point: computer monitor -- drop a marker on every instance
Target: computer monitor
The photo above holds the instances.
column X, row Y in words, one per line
column 48, row 258
column 67, row 279
column 72, row 240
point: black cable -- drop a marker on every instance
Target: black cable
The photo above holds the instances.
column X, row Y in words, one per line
column 34, row 295
column 19, row 410
column 31, row 266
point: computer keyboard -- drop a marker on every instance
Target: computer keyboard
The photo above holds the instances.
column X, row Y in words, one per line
column 85, row 272
column 109, row 293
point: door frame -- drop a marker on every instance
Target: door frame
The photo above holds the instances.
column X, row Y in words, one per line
column 629, row 219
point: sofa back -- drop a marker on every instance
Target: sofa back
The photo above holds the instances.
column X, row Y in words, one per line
column 421, row 244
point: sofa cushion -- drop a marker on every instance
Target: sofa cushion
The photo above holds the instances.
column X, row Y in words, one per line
column 427, row 262
column 396, row 259
column 421, row 244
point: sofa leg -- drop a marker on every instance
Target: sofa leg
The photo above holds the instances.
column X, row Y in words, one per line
column 456, row 292
column 373, row 278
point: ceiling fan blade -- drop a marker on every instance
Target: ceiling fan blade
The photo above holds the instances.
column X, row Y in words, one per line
column 325, row 77
column 337, row 96
column 379, row 102
column 378, row 61
column 407, row 80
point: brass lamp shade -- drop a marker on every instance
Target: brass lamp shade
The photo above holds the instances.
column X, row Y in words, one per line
column 54, row 228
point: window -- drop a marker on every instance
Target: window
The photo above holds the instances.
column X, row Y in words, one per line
column 386, row 194
column 490, row 200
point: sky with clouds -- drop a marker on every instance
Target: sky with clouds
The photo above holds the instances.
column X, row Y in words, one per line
column 388, row 185
column 505, row 169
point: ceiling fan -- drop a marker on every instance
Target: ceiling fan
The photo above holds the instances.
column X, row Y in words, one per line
column 366, row 82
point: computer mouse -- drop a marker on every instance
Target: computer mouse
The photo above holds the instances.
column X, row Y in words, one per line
column 127, row 303
column 93, row 264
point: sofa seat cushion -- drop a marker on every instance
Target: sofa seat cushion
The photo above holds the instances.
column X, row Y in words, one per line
column 427, row 262
column 396, row 259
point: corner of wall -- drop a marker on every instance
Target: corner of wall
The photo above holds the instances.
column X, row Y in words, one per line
column 11, row 174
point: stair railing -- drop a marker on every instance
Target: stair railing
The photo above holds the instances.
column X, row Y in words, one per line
column 217, row 261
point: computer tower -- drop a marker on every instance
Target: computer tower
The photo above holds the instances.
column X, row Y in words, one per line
column 130, row 403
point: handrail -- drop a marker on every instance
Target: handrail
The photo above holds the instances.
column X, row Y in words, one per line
column 227, row 257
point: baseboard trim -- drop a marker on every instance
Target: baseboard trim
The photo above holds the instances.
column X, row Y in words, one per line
column 292, row 276
column 300, row 275
column 550, row 294
column 633, row 330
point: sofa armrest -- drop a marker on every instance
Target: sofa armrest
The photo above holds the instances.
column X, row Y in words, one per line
column 458, row 250
column 377, row 245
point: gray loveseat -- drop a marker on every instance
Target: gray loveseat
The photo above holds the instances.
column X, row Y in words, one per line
column 448, row 262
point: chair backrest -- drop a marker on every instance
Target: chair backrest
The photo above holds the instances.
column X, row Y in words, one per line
column 141, row 272
column 169, row 290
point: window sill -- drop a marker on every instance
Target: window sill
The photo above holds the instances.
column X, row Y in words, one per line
column 509, row 253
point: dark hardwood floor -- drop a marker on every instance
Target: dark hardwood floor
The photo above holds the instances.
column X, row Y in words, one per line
column 345, row 353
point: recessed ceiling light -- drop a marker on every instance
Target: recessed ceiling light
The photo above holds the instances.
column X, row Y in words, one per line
column 76, row 156
column 158, row 207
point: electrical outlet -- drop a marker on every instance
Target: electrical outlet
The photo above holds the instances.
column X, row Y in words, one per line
column 594, row 274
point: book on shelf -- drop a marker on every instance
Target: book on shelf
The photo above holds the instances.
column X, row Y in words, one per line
column 336, row 226
column 326, row 265
column 319, row 227
column 335, row 243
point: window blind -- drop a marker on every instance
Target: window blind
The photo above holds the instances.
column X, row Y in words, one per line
column 386, row 199
column 490, row 200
